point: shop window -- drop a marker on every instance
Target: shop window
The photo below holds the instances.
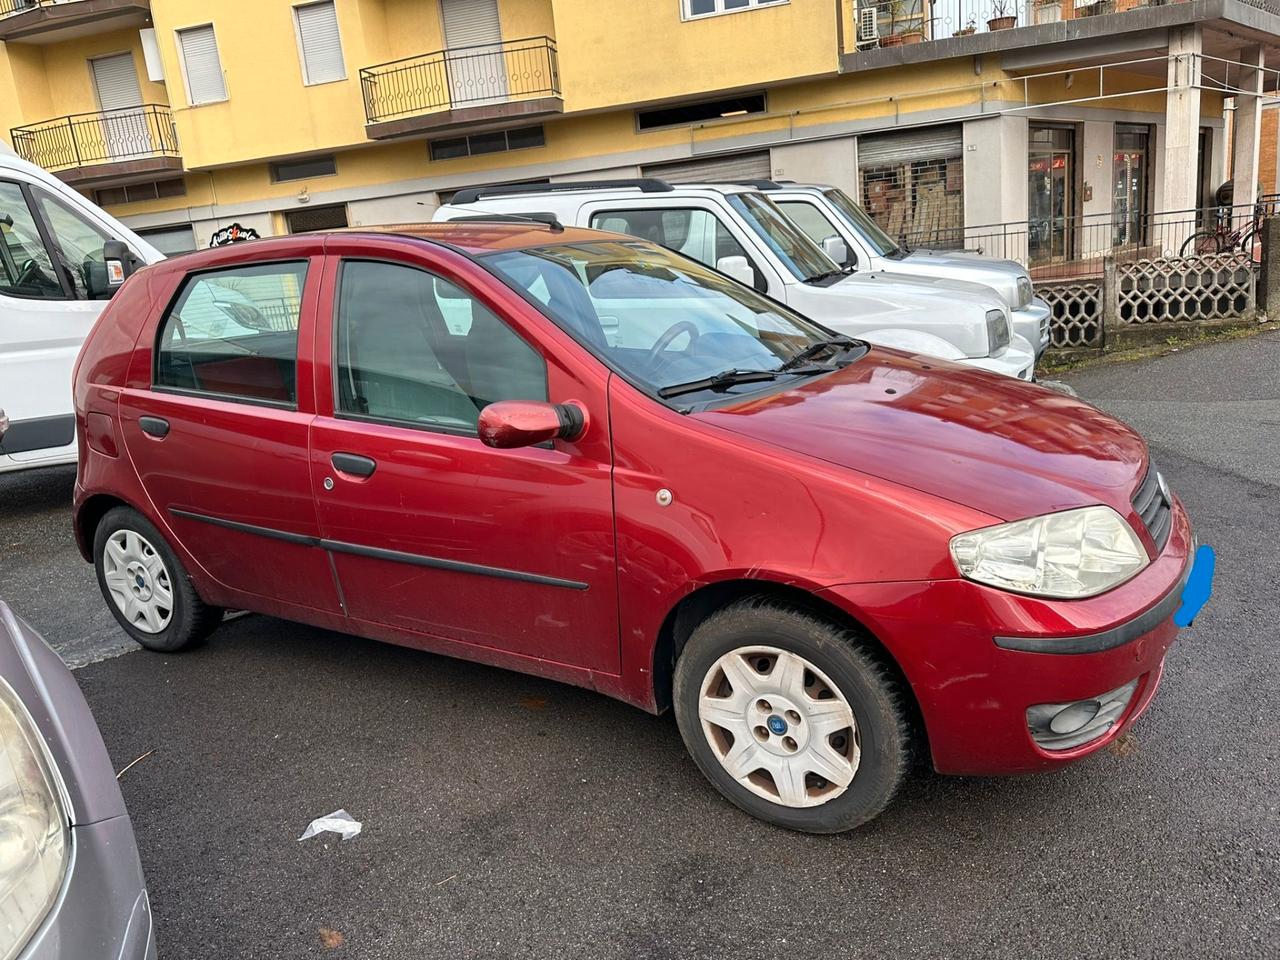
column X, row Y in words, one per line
column 137, row 192
column 496, row 141
column 703, row 110
column 303, row 169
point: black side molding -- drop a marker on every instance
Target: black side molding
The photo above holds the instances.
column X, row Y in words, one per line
column 1108, row 639
column 396, row 556
column 40, row 433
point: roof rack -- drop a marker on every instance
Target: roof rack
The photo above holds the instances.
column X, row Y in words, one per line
column 761, row 184
column 643, row 184
column 546, row 219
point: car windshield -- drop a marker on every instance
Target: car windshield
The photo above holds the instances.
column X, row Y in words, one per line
column 804, row 258
column 665, row 321
column 880, row 241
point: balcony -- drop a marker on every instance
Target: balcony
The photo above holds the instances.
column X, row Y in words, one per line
column 52, row 21
column 97, row 149
column 473, row 87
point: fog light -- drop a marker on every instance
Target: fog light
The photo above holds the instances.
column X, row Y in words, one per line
column 1061, row 726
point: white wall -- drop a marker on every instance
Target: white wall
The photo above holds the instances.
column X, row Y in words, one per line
column 833, row 162
column 405, row 208
column 1097, row 156
column 995, row 180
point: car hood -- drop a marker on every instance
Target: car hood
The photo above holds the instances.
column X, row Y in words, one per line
column 927, row 291
column 1007, row 448
column 1001, row 275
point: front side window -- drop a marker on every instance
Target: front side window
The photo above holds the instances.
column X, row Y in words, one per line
column 696, row 233
column 661, row 319
column 810, row 219
column 798, row 253
column 234, row 334
column 26, row 267
column 79, row 244
column 415, row 349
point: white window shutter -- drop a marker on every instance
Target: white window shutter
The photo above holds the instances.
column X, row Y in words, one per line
column 321, row 46
column 199, row 47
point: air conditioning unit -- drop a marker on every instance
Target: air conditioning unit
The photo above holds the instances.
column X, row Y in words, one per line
column 867, row 16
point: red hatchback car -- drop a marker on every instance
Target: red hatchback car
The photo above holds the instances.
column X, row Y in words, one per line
column 584, row 456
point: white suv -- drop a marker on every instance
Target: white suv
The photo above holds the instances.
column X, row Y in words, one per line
column 849, row 236
column 742, row 233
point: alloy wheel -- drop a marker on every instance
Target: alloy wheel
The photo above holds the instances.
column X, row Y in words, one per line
column 779, row 726
column 138, row 581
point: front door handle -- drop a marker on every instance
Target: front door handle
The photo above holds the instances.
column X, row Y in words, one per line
column 157, row 427
column 353, row 464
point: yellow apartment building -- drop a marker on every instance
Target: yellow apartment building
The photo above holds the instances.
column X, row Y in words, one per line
column 944, row 117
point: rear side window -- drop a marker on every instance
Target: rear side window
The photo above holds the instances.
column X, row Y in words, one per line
column 234, row 334
column 414, row 348
column 698, row 234
column 26, row 268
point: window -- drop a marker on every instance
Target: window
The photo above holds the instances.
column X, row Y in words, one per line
column 310, row 219
column 691, row 9
column 319, row 43
column 137, row 192
column 303, row 169
column 416, row 349
column 696, row 233
column 26, row 268
column 496, row 141
column 812, row 221
column 797, row 252
column 234, row 333
column 79, row 244
column 170, row 240
column 912, row 184
column 703, row 110
column 201, row 65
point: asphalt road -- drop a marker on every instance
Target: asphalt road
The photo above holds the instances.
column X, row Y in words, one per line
column 506, row 816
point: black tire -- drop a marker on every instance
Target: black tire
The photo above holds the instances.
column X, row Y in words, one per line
column 1205, row 241
column 190, row 621
column 871, row 688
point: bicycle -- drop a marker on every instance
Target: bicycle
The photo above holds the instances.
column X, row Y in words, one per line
column 1224, row 238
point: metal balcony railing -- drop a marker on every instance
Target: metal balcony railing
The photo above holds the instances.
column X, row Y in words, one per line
column 889, row 23
column 19, row 6
column 108, row 136
column 492, row 73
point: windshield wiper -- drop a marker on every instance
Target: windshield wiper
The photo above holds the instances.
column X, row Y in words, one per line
column 811, row 351
column 717, row 381
column 819, row 277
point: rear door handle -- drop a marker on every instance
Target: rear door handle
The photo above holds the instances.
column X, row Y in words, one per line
column 353, row 464
column 157, row 427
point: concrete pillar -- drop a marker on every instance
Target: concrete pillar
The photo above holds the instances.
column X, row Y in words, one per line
column 995, row 185
column 1246, row 136
column 833, row 162
column 1182, row 130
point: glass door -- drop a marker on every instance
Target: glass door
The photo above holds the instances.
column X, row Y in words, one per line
column 1129, row 185
column 1051, row 193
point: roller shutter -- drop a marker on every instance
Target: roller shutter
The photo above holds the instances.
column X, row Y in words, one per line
column 740, row 166
column 469, row 23
column 904, row 146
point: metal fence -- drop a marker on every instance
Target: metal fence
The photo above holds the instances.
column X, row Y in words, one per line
column 103, row 137
column 461, row 77
column 18, row 6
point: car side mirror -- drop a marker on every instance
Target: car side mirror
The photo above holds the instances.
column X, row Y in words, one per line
column 524, row 423
column 103, row 279
column 837, row 250
column 737, row 267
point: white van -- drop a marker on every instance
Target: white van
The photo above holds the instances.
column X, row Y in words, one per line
column 849, row 236
column 61, row 259
column 743, row 234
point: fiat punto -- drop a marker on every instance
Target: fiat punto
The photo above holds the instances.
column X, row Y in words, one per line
column 583, row 456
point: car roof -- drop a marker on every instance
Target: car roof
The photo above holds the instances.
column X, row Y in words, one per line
column 471, row 237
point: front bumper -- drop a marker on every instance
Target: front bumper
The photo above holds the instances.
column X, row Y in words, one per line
column 1018, row 360
column 102, row 908
column 972, row 657
column 1032, row 323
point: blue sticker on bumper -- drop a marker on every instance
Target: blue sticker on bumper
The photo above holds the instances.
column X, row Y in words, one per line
column 1198, row 589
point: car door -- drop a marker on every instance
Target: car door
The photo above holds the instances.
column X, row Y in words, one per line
column 431, row 531
column 44, row 317
column 216, row 418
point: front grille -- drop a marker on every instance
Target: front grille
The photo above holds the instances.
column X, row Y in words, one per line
column 1152, row 503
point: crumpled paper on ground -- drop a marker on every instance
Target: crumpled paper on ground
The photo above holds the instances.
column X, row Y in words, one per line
column 339, row 822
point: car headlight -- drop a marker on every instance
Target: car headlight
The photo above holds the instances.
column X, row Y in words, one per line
column 997, row 331
column 34, row 835
column 1068, row 555
column 1025, row 291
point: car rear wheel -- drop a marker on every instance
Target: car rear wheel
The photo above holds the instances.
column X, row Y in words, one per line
column 793, row 718
column 145, row 585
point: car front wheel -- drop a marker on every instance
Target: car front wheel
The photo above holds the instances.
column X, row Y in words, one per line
column 793, row 718
column 146, row 587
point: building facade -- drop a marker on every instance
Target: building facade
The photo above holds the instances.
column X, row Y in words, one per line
column 949, row 120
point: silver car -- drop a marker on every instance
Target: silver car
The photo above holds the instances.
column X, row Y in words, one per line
column 71, row 883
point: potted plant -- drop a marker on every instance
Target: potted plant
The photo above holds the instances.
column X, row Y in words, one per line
column 1047, row 11
column 903, row 28
column 969, row 28
column 1097, row 9
column 1002, row 19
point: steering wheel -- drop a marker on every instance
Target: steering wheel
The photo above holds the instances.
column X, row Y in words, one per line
column 29, row 273
column 668, row 337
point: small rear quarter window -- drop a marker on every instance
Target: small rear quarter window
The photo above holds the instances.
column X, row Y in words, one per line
column 233, row 334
